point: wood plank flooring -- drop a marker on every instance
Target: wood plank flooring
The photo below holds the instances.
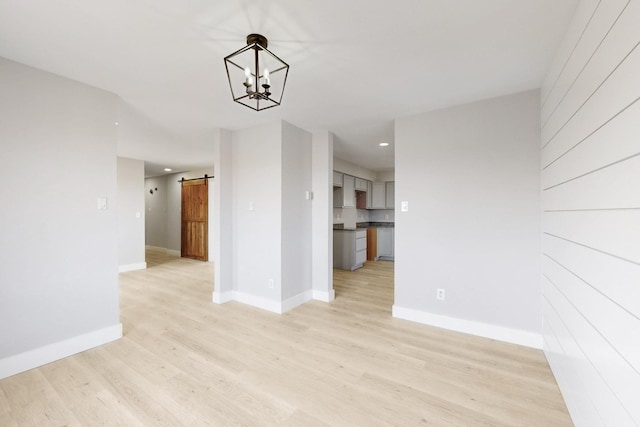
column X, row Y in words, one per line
column 185, row 361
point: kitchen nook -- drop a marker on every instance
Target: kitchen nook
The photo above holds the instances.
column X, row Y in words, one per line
column 363, row 219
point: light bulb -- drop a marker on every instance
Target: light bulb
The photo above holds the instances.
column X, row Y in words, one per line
column 247, row 72
column 266, row 77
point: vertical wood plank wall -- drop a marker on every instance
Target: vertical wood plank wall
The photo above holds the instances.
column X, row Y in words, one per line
column 590, row 118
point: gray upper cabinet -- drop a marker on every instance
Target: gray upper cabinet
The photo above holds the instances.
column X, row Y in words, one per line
column 369, row 194
column 337, row 179
column 349, row 189
column 378, row 193
column 361, row 184
column 390, row 188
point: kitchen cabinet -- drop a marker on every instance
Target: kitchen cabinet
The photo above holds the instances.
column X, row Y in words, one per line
column 337, row 179
column 349, row 248
column 369, row 193
column 390, row 196
column 385, row 242
column 361, row 184
column 378, row 195
column 345, row 196
column 349, row 191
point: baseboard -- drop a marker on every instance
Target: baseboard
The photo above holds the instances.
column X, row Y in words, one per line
column 132, row 267
column 324, row 296
column 222, row 297
column 295, row 301
column 165, row 250
column 500, row 333
column 263, row 303
column 259, row 302
column 18, row 363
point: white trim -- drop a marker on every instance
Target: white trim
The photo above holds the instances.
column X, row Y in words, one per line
column 222, row 297
column 324, row 296
column 295, row 301
column 263, row 303
column 50, row 353
column 165, row 250
column 500, row 333
column 132, row 267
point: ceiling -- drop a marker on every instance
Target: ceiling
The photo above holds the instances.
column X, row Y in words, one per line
column 356, row 65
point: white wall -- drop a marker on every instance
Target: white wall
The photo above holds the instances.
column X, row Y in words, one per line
column 322, row 229
column 296, row 214
column 221, row 225
column 471, row 177
column 156, row 211
column 591, row 179
column 257, row 244
column 131, row 224
column 59, row 275
column 263, row 174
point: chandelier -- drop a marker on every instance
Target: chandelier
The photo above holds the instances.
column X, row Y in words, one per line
column 256, row 76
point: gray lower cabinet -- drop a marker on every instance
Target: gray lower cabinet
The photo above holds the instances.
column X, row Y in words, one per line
column 349, row 249
column 385, row 243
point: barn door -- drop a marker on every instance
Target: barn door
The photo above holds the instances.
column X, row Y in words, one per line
column 195, row 207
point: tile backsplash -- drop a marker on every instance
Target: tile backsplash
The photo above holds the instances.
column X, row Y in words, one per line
column 350, row 216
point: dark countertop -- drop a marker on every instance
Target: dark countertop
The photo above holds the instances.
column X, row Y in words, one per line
column 341, row 227
column 375, row 224
column 364, row 225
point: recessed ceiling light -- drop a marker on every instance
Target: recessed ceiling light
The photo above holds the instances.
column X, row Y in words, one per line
column 116, row 123
column 167, row 169
column 384, row 144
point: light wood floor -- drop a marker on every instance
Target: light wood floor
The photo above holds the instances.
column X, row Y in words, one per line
column 186, row 361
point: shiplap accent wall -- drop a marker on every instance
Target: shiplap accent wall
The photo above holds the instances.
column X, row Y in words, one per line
column 590, row 117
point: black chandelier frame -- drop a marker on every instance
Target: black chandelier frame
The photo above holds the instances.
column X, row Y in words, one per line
column 256, row 96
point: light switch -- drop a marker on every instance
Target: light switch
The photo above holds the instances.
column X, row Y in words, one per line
column 308, row 195
column 138, row 215
column 251, row 206
column 102, row 203
column 404, row 206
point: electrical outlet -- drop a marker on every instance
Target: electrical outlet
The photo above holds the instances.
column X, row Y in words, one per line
column 270, row 284
column 440, row 294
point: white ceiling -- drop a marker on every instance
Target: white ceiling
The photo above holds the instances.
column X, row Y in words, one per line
column 355, row 64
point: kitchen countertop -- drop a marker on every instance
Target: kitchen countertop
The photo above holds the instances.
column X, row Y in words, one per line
column 364, row 225
column 375, row 224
